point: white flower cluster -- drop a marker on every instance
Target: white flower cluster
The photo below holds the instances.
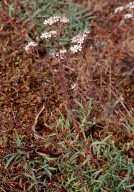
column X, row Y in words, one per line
column 130, row 5
column 56, row 20
column 79, row 40
column 128, row 16
column 81, row 37
column 76, row 48
column 49, row 35
column 118, row 9
column 30, row 45
column 121, row 8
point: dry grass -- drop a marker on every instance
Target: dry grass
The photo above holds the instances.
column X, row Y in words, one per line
column 26, row 84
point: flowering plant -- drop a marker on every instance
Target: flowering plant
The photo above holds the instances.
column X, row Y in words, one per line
column 55, row 26
column 128, row 7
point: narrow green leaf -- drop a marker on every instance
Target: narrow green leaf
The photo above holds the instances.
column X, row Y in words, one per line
column 10, row 159
column 47, row 156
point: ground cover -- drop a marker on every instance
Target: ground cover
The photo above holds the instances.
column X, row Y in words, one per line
column 101, row 157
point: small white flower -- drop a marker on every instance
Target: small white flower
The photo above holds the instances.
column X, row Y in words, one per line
column 62, row 53
column 55, row 20
column 48, row 35
column 76, row 48
column 119, row 9
column 64, row 20
column 128, row 16
column 130, row 5
column 86, row 31
column 78, row 39
column 73, row 86
column 30, row 45
column 81, row 37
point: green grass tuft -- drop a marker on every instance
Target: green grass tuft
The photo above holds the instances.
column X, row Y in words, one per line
column 84, row 165
column 35, row 12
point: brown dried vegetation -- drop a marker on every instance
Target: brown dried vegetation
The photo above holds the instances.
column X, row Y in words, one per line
column 25, row 84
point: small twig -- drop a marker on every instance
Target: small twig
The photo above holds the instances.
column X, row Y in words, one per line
column 38, row 136
column 91, row 78
column 128, row 74
column 110, row 83
column 2, row 189
column 119, row 100
column 35, row 124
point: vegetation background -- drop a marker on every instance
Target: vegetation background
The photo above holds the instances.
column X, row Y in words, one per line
column 101, row 158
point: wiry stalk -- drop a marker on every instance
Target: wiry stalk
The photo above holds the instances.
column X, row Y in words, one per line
column 61, row 75
column 91, row 78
